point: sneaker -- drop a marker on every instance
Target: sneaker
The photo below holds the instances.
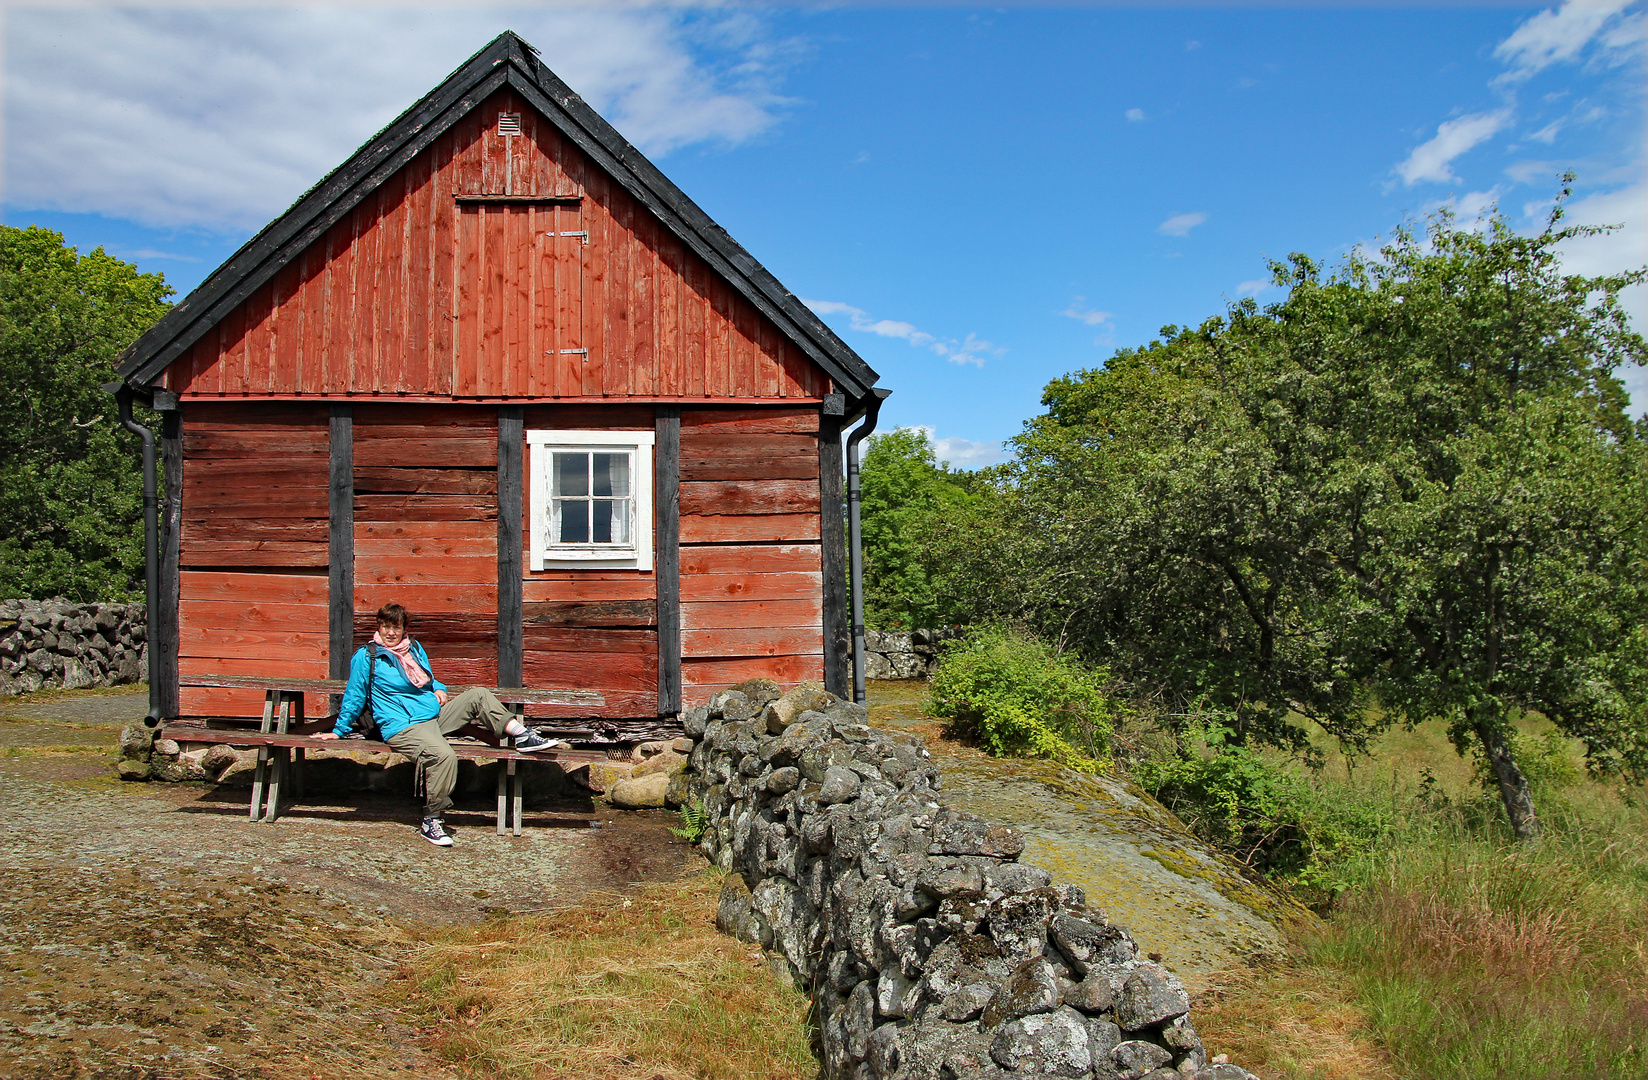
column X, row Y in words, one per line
column 434, row 830
column 528, row 741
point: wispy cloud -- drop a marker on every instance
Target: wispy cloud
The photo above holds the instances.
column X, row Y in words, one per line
column 151, row 253
column 1181, row 224
column 1253, row 287
column 1079, row 311
column 959, row 453
column 1433, row 160
column 1560, row 34
column 217, row 117
column 1546, row 134
column 1472, row 209
column 969, row 350
column 1529, row 172
column 1135, row 115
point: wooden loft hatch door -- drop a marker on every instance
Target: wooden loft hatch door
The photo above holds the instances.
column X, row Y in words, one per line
column 520, row 303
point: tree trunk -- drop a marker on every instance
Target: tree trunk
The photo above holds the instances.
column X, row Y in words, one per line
column 1513, row 786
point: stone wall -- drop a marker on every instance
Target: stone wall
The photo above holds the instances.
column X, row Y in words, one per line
column 931, row 952
column 903, row 654
column 59, row 643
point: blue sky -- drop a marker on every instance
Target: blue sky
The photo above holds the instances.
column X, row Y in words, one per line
column 977, row 199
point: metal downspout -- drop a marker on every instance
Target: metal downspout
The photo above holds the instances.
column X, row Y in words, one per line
column 151, row 542
column 855, row 538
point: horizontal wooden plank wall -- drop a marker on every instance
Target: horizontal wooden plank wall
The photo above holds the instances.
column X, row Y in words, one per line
column 415, row 293
column 590, row 629
column 426, row 530
column 751, row 575
column 252, row 554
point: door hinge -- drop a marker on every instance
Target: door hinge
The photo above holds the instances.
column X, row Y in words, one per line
column 582, row 235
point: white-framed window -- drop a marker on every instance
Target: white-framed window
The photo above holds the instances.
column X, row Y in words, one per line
column 591, row 499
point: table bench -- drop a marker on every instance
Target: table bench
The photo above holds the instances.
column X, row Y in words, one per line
column 284, row 733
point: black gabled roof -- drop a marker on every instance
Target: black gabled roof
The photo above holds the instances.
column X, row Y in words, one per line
column 507, row 61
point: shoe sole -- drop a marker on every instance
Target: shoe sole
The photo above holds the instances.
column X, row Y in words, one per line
column 445, row 841
column 532, row 749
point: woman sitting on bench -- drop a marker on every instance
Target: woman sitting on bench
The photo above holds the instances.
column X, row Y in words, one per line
column 414, row 713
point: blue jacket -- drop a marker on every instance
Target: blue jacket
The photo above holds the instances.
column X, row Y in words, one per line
column 396, row 703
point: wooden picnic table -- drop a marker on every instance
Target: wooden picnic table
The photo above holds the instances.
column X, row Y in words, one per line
column 284, row 733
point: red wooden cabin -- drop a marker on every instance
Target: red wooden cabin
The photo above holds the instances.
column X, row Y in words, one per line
column 496, row 367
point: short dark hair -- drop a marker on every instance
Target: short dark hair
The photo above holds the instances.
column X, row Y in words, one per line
column 394, row 615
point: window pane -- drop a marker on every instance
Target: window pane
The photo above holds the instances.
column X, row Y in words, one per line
column 611, row 474
column 620, row 521
column 571, row 525
column 571, row 474
column 602, row 512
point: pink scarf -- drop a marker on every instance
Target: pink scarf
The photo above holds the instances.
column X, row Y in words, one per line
column 415, row 674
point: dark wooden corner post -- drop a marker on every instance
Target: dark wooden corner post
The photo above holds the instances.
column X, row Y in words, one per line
column 832, row 506
column 667, row 561
column 163, row 624
column 511, row 472
column 340, row 554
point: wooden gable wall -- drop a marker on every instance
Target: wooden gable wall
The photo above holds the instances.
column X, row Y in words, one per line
column 418, row 294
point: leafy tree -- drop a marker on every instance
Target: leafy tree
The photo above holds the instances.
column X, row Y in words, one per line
column 1411, row 484
column 914, row 512
column 71, row 484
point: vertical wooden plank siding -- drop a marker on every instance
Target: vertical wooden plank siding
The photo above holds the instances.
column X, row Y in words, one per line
column 413, row 292
column 511, row 510
column 163, row 621
column 340, row 606
column 831, row 508
column 667, row 508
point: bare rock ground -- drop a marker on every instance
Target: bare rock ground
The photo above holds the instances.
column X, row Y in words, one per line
column 149, row 931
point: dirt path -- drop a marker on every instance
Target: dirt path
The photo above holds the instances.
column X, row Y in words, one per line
column 148, row 931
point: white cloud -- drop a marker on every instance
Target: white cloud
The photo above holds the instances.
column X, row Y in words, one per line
column 970, row 350
column 1253, row 287
column 1081, row 313
column 1180, row 224
column 1471, row 210
column 1135, row 115
column 1546, row 134
column 1433, row 160
column 1192, row 45
column 1625, row 248
column 959, row 453
column 218, row 118
column 1559, row 34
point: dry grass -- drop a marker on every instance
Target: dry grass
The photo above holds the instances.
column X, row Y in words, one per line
column 1474, row 960
column 630, row 988
column 1291, row 1022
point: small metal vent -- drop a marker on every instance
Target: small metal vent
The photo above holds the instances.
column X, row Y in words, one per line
column 509, row 123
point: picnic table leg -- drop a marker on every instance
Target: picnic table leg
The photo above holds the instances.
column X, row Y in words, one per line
column 300, row 755
column 262, row 772
column 515, row 785
column 283, row 755
column 257, row 782
column 503, row 801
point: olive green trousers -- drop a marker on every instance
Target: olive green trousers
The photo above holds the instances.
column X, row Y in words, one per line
column 426, row 743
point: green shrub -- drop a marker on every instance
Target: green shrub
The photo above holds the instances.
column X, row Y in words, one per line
column 1274, row 822
column 1010, row 692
